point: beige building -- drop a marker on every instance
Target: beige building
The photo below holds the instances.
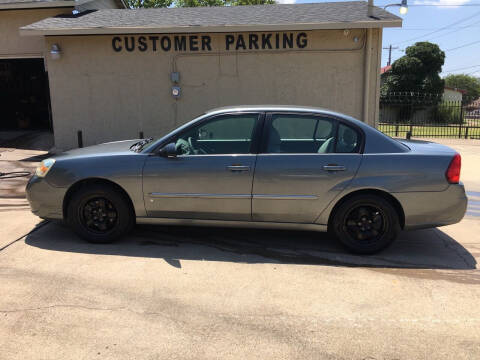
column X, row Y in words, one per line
column 116, row 73
column 24, row 91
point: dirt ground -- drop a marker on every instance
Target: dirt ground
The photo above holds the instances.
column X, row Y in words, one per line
column 192, row 293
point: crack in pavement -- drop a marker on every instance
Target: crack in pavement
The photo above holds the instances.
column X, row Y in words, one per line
column 60, row 306
column 274, row 316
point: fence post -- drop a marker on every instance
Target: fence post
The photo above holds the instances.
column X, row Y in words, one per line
column 461, row 121
column 396, row 130
column 466, row 132
column 80, row 138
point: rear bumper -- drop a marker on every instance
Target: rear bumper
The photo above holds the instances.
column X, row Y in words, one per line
column 46, row 201
column 432, row 209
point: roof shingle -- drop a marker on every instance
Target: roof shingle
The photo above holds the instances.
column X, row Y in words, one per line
column 331, row 15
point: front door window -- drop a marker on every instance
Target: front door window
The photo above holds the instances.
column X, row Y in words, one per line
column 228, row 134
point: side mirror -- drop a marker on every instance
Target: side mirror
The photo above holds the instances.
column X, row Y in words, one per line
column 169, row 150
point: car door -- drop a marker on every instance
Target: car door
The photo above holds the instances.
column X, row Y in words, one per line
column 211, row 177
column 298, row 171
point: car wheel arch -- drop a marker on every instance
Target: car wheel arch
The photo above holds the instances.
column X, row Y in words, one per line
column 385, row 195
column 89, row 181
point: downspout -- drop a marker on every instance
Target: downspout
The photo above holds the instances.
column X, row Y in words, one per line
column 379, row 37
column 367, row 63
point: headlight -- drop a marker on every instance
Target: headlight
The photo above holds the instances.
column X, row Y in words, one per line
column 44, row 167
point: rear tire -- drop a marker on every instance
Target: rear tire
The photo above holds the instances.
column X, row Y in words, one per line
column 365, row 224
column 99, row 213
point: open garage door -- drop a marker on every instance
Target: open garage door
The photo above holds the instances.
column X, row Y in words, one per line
column 24, row 95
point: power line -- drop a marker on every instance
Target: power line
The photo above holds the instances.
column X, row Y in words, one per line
column 473, row 72
column 462, row 68
column 454, row 31
column 464, row 45
column 422, row 29
column 441, row 29
column 442, row 5
column 438, row 4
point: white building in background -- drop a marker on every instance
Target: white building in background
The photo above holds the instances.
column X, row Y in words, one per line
column 453, row 94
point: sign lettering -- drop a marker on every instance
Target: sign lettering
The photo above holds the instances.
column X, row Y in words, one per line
column 193, row 43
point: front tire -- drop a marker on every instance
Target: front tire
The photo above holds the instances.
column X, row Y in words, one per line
column 366, row 224
column 99, row 213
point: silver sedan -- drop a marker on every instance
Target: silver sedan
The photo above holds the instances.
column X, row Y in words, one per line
column 256, row 166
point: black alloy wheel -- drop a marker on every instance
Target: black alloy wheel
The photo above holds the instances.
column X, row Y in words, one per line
column 100, row 213
column 365, row 223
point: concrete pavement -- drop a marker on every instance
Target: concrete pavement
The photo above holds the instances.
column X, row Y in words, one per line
column 15, row 216
column 197, row 293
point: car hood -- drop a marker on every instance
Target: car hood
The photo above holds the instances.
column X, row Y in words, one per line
column 110, row 148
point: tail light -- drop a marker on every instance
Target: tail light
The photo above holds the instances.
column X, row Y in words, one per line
column 453, row 171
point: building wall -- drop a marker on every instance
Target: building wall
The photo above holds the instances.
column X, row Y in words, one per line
column 111, row 95
column 14, row 46
column 452, row 95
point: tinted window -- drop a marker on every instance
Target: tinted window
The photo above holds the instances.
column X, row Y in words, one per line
column 325, row 129
column 229, row 134
column 300, row 134
column 348, row 140
column 292, row 127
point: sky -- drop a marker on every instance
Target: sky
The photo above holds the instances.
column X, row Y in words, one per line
column 448, row 23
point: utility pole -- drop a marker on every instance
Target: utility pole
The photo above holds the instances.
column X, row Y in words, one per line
column 370, row 8
column 390, row 54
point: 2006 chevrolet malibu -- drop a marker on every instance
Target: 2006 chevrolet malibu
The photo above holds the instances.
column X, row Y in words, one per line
column 257, row 166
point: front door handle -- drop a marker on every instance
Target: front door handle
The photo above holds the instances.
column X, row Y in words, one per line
column 236, row 168
column 334, row 167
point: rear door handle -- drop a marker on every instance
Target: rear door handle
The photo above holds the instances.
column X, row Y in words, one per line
column 334, row 168
column 236, row 168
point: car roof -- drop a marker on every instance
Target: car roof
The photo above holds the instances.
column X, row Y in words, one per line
column 295, row 108
column 292, row 108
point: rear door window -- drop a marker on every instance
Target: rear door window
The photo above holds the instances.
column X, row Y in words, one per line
column 292, row 133
column 348, row 140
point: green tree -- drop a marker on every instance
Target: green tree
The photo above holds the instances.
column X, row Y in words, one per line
column 197, row 3
column 417, row 71
column 464, row 82
column 251, row 2
column 134, row 4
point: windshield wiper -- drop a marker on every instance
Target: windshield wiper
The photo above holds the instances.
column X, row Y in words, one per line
column 140, row 144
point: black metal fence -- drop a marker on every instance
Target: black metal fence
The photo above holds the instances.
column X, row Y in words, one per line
column 427, row 115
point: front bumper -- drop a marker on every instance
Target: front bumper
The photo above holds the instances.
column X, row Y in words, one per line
column 432, row 209
column 46, row 201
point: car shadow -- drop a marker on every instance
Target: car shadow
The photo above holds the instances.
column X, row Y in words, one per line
column 422, row 249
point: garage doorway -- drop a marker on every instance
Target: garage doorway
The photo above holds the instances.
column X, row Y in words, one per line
column 24, row 95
